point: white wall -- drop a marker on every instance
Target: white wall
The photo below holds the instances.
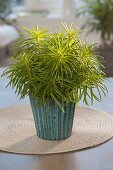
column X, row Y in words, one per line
column 52, row 6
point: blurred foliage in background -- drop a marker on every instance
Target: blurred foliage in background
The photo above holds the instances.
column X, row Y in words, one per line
column 5, row 8
column 99, row 14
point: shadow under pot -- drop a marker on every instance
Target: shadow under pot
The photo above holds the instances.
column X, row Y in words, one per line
column 50, row 121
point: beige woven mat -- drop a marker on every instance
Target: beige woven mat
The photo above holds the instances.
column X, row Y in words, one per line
column 18, row 135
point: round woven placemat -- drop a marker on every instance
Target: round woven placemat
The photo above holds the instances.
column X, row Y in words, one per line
column 18, row 135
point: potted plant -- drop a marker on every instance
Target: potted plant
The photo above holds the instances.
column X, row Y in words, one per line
column 55, row 70
column 99, row 18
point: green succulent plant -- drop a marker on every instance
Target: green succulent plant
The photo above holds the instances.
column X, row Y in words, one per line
column 99, row 14
column 57, row 65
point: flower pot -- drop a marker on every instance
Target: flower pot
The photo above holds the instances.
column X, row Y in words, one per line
column 50, row 121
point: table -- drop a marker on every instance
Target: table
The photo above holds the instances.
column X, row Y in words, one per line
column 98, row 158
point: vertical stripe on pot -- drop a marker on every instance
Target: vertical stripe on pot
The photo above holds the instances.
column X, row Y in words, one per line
column 50, row 121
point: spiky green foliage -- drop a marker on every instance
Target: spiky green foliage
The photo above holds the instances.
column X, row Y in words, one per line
column 56, row 65
column 99, row 14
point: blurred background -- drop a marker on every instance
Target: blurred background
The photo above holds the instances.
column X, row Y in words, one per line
column 14, row 14
column 95, row 17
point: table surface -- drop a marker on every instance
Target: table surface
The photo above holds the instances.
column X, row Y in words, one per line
column 98, row 158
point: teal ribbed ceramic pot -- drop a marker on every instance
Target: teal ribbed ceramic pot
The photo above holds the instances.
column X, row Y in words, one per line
column 51, row 122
